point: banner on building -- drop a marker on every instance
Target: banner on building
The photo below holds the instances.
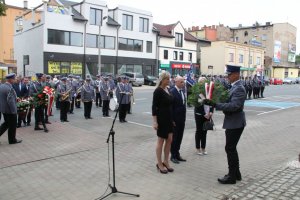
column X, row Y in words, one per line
column 53, row 67
column 292, row 53
column 76, row 68
column 277, row 51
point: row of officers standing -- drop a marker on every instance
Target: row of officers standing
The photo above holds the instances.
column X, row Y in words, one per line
column 69, row 93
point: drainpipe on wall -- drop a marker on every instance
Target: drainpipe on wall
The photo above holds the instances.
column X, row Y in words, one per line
column 117, row 51
column 84, row 51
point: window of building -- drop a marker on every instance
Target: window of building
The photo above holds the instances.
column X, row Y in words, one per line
column 95, row 16
column 178, row 39
column 246, row 33
column 250, row 60
column 91, row 41
column 180, row 55
column 149, row 47
column 130, row 44
column 231, row 57
column 258, row 61
column 58, row 37
column 236, row 39
column 241, row 58
column 144, row 25
column 190, row 57
column 127, row 22
column 65, row 67
column 107, row 42
column 76, row 39
column 175, row 55
column 166, row 54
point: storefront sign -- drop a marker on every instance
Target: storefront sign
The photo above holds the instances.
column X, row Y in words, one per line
column 181, row 66
column 53, row 67
column 164, row 65
column 76, row 67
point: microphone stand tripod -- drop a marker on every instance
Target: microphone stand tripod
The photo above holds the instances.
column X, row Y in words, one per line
column 112, row 134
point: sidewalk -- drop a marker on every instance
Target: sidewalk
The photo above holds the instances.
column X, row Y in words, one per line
column 71, row 162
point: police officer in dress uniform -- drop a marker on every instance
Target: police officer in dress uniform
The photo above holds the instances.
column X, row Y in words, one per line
column 249, row 87
column 87, row 97
column 130, row 90
column 64, row 92
column 78, row 92
column 8, row 107
column 123, row 96
column 73, row 85
column 27, row 85
column 105, row 96
column 97, row 91
column 39, row 110
column 234, row 123
column 262, row 87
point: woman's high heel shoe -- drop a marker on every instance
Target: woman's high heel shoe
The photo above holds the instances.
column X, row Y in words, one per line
column 168, row 168
column 163, row 171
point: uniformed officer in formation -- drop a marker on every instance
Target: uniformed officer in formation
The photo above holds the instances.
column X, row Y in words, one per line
column 87, row 97
column 97, row 91
column 78, row 92
column 39, row 110
column 262, row 87
column 249, row 87
column 123, row 95
column 73, row 84
column 105, row 91
column 130, row 90
column 8, row 107
column 64, row 92
column 48, row 83
column 255, row 86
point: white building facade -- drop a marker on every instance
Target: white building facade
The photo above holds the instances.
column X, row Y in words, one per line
column 177, row 49
column 64, row 39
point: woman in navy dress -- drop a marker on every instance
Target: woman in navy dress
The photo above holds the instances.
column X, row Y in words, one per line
column 162, row 122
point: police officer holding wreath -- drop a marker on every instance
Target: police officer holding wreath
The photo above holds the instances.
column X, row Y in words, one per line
column 234, row 123
column 8, row 107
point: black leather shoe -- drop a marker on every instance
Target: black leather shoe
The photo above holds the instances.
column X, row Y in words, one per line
column 38, row 129
column 46, row 130
column 124, row 120
column 227, row 180
column 28, row 124
column 121, row 121
column 16, row 142
column 174, row 160
column 179, row 158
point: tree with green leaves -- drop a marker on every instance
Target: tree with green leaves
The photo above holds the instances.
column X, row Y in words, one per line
column 2, row 8
column 298, row 59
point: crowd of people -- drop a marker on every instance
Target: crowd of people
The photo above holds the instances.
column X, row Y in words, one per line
column 169, row 115
column 69, row 93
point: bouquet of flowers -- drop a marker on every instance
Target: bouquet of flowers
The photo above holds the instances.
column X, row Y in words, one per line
column 23, row 105
column 214, row 92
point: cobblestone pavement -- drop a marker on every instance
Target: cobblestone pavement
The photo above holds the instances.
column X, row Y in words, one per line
column 71, row 161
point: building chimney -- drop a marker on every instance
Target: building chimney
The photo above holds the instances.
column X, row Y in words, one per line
column 240, row 25
column 268, row 23
column 25, row 2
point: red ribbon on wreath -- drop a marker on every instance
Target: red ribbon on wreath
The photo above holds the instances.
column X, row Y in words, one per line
column 50, row 93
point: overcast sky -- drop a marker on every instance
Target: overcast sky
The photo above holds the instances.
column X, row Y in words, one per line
column 211, row 12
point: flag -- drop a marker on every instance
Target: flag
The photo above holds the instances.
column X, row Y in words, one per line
column 189, row 79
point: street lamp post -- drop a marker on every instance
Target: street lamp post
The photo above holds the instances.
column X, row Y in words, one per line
column 99, row 46
column 249, row 61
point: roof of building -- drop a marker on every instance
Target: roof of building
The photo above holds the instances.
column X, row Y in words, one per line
column 77, row 15
column 112, row 22
column 166, row 31
column 68, row 3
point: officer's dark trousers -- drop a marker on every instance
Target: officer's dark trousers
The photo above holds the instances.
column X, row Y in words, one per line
column 105, row 107
column 77, row 101
column 28, row 120
column 64, row 109
column 98, row 100
column 45, row 114
column 39, row 116
column 72, row 104
column 249, row 93
column 262, row 91
column 57, row 103
column 122, row 112
column 232, row 139
column 177, row 138
column 21, row 118
column 88, row 109
column 10, row 123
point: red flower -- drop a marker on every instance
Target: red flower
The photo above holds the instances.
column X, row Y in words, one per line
column 40, row 96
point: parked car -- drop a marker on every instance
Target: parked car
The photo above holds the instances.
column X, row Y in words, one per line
column 150, row 80
column 289, row 80
column 136, row 79
column 298, row 80
column 276, row 81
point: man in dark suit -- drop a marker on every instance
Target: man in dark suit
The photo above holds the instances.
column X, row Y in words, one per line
column 234, row 123
column 179, row 116
column 8, row 107
column 21, row 92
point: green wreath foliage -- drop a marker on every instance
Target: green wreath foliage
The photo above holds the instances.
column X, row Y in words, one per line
column 220, row 93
